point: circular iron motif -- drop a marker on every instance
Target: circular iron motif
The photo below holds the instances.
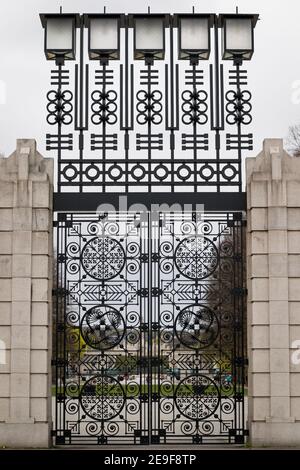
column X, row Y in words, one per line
column 102, row 398
column 196, row 327
column 197, row 397
column 103, row 258
column 196, row 257
column 102, row 327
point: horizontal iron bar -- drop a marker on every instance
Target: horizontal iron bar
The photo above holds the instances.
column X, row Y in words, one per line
column 145, row 161
column 146, row 182
column 89, row 202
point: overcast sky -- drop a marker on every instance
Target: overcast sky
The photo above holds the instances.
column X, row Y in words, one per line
column 273, row 72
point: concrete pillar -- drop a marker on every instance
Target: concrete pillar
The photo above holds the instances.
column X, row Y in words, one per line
column 273, row 255
column 26, row 188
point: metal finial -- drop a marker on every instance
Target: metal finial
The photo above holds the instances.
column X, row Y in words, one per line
column 149, row 11
column 193, row 9
column 60, row 10
column 237, row 10
column 104, row 9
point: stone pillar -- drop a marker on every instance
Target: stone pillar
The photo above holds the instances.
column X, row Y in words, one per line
column 26, row 188
column 273, row 254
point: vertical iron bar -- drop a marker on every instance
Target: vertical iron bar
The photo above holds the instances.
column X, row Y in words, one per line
column 239, row 124
column 172, row 136
column 126, row 84
column 235, row 325
column 149, row 103
column 57, row 425
column 86, row 98
column 104, row 115
column 217, row 113
column 65, row 362
column 194, row 114
column 59, row 125
column 81, row 136
column 142, row 333
column 150, row 319
column 242, row 311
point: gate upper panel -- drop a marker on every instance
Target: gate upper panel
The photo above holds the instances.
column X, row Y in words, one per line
column 172, row 126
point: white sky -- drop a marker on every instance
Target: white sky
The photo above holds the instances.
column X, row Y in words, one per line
column 24, row 71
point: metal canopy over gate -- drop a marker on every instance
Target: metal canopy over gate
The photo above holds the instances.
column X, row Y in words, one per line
column 149, row 300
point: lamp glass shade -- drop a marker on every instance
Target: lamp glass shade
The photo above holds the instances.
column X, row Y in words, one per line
column 194, row 37
column 149, row 34
column 239, row 34
column 59, row 34
column 194, row 34
column 104, row 34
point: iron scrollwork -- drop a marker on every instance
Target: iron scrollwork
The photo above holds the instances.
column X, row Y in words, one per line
column 149, row 329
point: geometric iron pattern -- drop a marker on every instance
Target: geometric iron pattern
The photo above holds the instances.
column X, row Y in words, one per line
column 126, row 126
column 150, row 330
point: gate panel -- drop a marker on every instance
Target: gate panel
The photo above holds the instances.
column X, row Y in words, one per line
column 149, row 329
column 197, row 329
column 102, row 330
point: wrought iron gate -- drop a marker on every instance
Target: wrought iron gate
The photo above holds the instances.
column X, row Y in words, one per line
column 149, row 306
column 150, row 328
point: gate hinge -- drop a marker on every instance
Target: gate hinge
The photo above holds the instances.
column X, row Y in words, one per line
column 59, row 362
column 241, row 361
column 59, row 292
column 240, row 291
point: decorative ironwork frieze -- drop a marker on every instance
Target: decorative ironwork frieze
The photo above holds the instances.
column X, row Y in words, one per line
column 178, row 126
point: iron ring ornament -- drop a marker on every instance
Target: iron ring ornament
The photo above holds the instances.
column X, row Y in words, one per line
column 102, row 398
column 194, row 107
column 196, row 257
column 197, row 327
column 102, row 327
column 104, row 107
column 197, row 397
column 149, row 107
column 238, row 107
column 70, row 172
column 103, row 258
column 59, row 107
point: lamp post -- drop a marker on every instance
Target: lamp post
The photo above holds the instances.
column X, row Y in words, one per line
column 104, row 46
column 238, row 45
column 194, row 44
column 59, row 45
column 149, row 45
